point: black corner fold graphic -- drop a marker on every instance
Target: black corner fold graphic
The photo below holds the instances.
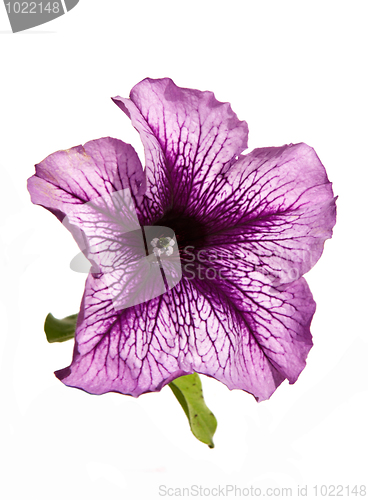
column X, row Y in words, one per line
column 26, row 15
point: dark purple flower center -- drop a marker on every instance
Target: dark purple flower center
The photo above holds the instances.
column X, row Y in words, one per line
column 189, row 231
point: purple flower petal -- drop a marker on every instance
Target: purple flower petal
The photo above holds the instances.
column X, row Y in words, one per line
column 78, row 182
column 79, row 186
column 188, row 137
column 191, row 328
column 130, row 351
column 272, row 210
column 78, row 175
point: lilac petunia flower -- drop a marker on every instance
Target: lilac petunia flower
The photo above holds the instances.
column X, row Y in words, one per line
column 246, row 229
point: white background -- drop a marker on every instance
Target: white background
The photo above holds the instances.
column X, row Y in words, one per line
column 295, row 71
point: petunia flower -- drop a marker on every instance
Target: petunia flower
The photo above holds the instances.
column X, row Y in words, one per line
column 246, row 228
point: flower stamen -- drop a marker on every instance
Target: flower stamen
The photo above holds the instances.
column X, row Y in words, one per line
column 163, row 246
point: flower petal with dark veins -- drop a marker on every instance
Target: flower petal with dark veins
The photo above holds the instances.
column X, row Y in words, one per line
column 272, row 211
column 266, row 335
column 188, row 137
column 131, row 351
column 193, row 327
column 83, row 173
column 82, row 182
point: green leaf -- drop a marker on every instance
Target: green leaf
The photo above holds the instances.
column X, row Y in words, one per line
column 60, row 330
column 188, row 391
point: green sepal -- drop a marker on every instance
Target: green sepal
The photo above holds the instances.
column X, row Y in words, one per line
column 60, row 330
column 188, row 391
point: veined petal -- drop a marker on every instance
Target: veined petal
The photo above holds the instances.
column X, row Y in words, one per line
column 131, row 351
column 193, row 327
column 273, row 209
column 256, row 346
column 88, row 186
column 188, row 136
column 83, row 173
